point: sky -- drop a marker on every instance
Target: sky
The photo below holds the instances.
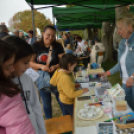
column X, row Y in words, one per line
column 9, row 7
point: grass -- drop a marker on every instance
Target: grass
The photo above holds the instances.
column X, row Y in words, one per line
column 113, row 79
column 56, row 111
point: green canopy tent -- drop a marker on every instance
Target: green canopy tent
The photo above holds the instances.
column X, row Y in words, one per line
column 83, row 15
column 71, row 16
column 82, row 3
column 76, row 26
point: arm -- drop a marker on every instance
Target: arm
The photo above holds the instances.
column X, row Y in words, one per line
column 36, row 107
column 112, row 71
column 37, row 66
column 115, row 69
column 69, row 88
column 14, row 118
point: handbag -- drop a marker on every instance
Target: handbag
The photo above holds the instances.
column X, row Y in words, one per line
column 43, row 81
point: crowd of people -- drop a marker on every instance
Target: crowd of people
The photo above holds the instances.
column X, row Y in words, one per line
column 19, row 33
column 20, row 109
column 18, row 93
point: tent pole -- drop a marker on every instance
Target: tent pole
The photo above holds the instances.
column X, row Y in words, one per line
column 34, row 35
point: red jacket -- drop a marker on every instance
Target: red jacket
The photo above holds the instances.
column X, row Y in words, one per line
column 13, row 116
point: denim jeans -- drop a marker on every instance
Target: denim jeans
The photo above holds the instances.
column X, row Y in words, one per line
column 68, row 109
column 46, row 98
column 129, row 95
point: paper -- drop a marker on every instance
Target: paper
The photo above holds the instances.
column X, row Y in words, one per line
column 86, row 130
column 33, row 74
column 85, row 85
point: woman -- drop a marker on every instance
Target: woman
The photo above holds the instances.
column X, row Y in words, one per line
column 40, row 61
column 66, row 39
column 13, row 116
column 125, row 26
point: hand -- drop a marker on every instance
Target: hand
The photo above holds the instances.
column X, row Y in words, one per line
column 52, row 68
column 104, row 74
column 129, row 82
column 77, row 85
column 45, row 68
column 85, row 90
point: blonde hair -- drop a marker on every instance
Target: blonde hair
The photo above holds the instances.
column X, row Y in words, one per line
column 69, row 47
column 128, row 18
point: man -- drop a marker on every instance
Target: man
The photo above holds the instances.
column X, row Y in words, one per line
column 71, row 39
column 30, row 40
column 21, row 35
column 16, row 32
column 3, row 31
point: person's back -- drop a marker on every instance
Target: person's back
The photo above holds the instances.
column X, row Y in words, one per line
column 11, row 109
column 3, row 31
column 66, row 86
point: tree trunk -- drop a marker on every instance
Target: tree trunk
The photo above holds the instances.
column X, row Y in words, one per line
column 107, row 37
column 90, row 34
column 116, row 37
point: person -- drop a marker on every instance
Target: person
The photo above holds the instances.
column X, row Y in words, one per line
column 16, row 32
column 82, row 44
column 31, row 39
column 21, row 35
column 13, row 116
column 69, row 49
column 125, row 26
column 29, row 92
column 97, row 48
column 3, row 31
column 66, row 39
column 66, row 87
column 71, row 38
column 45, row 65
column 60, row 35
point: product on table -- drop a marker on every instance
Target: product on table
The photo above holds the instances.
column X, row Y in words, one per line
column 126, row 118
column 90, row 111
column 105, row 128
column 83, row 98
column 121, row 105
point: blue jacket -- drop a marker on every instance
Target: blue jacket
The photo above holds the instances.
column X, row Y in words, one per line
column 33, row 40
column 129, row 57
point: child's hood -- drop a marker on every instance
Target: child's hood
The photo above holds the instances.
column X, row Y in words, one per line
column 56, row 77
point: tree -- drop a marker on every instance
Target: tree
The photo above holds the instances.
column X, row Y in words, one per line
column 23, row 20
column 107, row 40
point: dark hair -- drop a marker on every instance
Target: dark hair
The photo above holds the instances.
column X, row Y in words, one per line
column 68, row 32
column 30, row 31
column 66, row 35
column 97, row 40
column 67, row 59
column 23, row 48
column 41, row 42
column 78, row 38
column 7, row 87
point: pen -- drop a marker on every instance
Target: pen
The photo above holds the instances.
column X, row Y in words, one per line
column 111, row 119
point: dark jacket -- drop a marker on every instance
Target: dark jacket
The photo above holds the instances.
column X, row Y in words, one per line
column 3, row 34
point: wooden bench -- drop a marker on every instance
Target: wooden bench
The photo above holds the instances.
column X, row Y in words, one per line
column 59, row 125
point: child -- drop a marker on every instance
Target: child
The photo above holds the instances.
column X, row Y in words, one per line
column 64, row 83
column 13, row 116
column 68, row 49
column 29, row 92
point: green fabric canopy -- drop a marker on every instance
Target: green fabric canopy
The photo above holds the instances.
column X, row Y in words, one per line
column 80, row 2
column 82, row 17
column 78, row 25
